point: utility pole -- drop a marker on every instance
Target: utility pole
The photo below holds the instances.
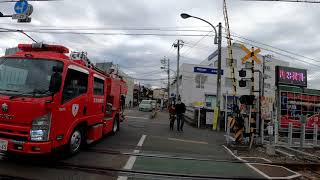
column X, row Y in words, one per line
column 139, row 94
column 178, row 45
column 263, row 71
column 219, row 76
column 168, row 82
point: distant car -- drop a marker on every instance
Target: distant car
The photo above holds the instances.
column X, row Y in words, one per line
column 146, row 105
column 154, row 103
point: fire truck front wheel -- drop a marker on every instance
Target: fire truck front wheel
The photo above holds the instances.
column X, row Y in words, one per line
column 116, row 125
column 76, row 140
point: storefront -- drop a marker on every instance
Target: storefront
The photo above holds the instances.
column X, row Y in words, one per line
column 296, row 103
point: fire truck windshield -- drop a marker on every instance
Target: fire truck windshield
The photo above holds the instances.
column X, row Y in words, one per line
column 21, row 75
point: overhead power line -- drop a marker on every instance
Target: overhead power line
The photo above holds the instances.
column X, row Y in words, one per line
column 121, row 29
column 186, row 52
column 12, row 1
column 114, row 34
column 151, row 79
column 264, row 44
column 107, row 27
column 296, row 1
column 285, row 55
column 138, row 67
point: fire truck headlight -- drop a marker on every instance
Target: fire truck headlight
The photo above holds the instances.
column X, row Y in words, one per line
column 41, row 128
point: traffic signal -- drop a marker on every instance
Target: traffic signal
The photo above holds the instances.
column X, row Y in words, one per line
column 242, row 73
column 242, row 83
column 247, row 99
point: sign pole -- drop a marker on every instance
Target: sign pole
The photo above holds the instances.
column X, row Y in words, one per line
column 226, row 113
column 218, row 95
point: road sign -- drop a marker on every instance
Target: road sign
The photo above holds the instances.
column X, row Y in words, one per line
column 29, row 10
column 19, row 16
column 198, row 104
column 21, row 7
column 251, row 54
column 27, row 20
column 206, row 70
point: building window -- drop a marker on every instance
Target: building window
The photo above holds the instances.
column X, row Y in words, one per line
column 267, row 85
column 229, row 61
column 210, row 101
column 215, row 63
column 266, row 76
column 200, row 80
column 267, row 68
column 228, row 82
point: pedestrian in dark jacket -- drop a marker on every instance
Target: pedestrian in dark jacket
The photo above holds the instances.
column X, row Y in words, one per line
column 180, row 110
column 172, row 114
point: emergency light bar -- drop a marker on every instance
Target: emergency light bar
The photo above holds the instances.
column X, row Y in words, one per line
column 43, row 47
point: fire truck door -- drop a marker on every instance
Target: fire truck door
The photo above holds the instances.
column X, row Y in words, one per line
column 74, row 101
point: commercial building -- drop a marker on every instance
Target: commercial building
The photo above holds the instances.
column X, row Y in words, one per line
column 198, row 82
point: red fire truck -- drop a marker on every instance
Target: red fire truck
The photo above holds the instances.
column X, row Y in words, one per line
column 49, row 100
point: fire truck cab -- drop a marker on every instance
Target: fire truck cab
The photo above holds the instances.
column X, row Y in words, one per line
column 49, row 100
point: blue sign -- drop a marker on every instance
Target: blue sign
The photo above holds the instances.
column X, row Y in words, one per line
column 21, row 7
column 206, row 70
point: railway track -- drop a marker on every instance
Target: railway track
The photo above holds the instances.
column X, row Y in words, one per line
column 309, row 164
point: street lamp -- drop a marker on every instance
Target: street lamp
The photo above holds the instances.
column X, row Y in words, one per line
column 217, row 40
column 185, row 16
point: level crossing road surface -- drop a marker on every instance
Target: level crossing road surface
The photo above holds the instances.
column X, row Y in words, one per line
column 143, row 149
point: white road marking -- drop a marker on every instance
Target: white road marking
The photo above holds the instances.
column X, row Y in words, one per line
column 142, row 140
column 132, row 159
column 260, row 172
column 243, row 157
column 134, row 117
column 188, row 141
column 255, row 169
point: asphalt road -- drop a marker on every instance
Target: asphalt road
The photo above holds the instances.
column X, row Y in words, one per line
column 194, row 153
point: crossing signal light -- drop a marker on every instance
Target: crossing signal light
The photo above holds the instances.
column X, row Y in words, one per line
column 247, row 99
column 242, row 83
column 242, row 73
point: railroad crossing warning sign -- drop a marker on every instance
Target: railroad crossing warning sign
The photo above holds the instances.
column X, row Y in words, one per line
column 251, row 54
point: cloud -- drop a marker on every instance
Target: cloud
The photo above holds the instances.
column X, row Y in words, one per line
column 290, row 26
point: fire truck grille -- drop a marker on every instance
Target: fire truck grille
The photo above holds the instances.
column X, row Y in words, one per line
column 13, row 137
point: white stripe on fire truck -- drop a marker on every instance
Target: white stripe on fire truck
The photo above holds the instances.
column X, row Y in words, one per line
column 77, row 68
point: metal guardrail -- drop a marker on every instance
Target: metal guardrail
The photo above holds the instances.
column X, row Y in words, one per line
column 287, row 134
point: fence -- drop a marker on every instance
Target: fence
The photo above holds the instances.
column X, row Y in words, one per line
column 292, row 135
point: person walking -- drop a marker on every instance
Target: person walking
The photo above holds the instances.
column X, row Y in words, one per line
column 172, row 115
column 130, row 104
column 123, row 102
column 180, row 110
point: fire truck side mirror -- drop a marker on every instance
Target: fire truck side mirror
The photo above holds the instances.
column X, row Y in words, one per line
column 55, row 82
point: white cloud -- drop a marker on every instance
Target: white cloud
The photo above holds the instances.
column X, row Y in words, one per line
column 290, row 26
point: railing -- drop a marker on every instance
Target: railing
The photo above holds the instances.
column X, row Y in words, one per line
column 292, row 136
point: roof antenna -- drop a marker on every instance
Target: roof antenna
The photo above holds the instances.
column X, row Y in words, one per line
column 20, row 31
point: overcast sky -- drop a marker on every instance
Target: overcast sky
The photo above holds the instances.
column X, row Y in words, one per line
column 289, row 26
